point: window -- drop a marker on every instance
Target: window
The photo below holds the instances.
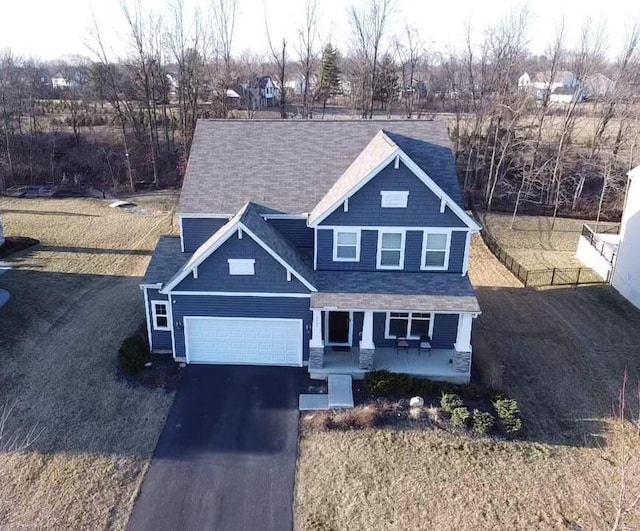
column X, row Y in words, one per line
column 160, row 315
column 435, row 250
column 409, row 325
column 394, row 199
column 242, row 266
column 390, row 250
column 346, row 245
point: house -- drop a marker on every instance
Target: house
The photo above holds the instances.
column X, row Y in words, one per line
column 626, row 273
column 297, row 85
column 264, row 93
column 566, row 95
column 598, row 86
column 59, row 81
column 321, row 251
column 542, row 84
column 232, row 99
column 614, row 254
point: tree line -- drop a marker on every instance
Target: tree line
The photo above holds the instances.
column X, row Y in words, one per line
column 118, row 120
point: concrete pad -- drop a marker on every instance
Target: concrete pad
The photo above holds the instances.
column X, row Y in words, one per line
column 340, row 390
column 313, row 402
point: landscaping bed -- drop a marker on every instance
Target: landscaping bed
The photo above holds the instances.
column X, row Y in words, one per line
column 403, row 401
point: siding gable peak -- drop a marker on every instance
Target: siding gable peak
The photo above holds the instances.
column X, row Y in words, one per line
column 250, row 222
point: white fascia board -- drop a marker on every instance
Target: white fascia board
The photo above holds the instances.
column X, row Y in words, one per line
column 383, row 310
column 284, row 216
column 243, row 294
column 353, row 190
column 278, row 258
column 158, row 285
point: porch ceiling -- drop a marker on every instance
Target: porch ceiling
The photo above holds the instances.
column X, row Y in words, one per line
column 395, row 291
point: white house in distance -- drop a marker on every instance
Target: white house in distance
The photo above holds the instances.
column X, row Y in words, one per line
column 541, row 83
column 616, row 257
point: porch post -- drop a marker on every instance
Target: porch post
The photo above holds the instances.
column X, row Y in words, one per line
column 462, row 346
column 367, row 347
column 316, row 345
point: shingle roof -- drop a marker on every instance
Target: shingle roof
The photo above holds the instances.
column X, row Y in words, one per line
column 249, row 216
column 166, row 260
column 394, row 291
column 375, row 153
column 290, row 165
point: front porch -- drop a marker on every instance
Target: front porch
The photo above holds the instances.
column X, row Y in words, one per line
column 438, row 366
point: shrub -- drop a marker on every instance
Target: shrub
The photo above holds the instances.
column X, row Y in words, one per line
column 472, row 391
column 509, row 415
column 450, row 401
column 133, row 354
column 319, row 420
column 359, row 417
column 482, row 422
column 434, row 414
column 387, row 383
column 460, row 417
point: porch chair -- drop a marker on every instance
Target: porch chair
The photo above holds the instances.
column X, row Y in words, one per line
column 402, row 344
column 424, row 345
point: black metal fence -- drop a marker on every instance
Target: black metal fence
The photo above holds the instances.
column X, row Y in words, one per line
column 537, row 278
column 606, row 250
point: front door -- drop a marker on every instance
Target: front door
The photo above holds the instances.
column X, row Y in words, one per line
column 339, row 324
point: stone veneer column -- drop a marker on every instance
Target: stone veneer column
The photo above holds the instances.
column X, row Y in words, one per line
column 316, row 344
column 462, row 355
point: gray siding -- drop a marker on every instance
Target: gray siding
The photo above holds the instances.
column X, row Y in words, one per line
column 160, row 339
column 368, row 252
column 295, row 230
column 196, row 231
column 272, row 307
column 213, row 273
column 423, row 207
column 445, row 329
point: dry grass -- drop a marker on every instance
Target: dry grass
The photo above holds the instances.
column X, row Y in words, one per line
column 532, row 242
column 562, row 354
column 74, row 298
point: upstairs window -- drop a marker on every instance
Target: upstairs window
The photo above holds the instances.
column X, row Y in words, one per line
column 394, row 199
column 160, row 315
column 242, row 266
column 346, row 245
column 435, row 250
column 390, row 249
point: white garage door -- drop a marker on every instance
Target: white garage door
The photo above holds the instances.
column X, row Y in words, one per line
column 243, row 341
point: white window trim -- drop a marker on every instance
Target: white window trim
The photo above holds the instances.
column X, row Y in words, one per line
column 388, row 319
column 335, row 244
column 423, row 265
column 154, row 315
column 242, row 266
column 391, row 230
column 398, row 199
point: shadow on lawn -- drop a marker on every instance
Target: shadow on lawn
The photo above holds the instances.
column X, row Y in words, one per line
column 94, row 250
column 562, row 353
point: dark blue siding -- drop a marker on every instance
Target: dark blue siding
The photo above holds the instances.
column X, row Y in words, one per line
column 213, row 273
column 456, row 251
column 358, row 318
column 266, row 307
column 368, row 251
column 295, row 230
column 160, row 339
column 423, row 207
column 445, row 329
column 196, row 231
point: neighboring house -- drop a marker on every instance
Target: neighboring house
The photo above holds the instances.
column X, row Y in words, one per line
column 297, row 85
column 263, row 93
column 59, row 81
column 615, row 256
column 322, row 250
column 598, row 86
column 541, row 84
column 566, row 95
column 232, row 99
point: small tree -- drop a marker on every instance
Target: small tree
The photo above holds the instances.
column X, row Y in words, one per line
column 329, row 76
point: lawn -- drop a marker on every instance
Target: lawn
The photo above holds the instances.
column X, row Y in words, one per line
column 74, row 299
column 562, row 354
column 533, row 243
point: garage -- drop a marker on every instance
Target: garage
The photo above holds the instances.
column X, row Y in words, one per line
column 243, row 341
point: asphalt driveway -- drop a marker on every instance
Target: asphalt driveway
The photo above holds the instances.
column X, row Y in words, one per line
column 226, row 458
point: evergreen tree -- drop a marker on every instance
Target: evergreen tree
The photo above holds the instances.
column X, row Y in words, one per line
column 330, row 75
column 387, row 85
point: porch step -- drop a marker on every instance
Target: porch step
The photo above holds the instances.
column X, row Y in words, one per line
column 340, row 390
column 313, row 402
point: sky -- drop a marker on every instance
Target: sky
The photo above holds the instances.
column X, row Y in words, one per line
column 50, row 29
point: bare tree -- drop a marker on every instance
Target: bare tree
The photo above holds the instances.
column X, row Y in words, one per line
column 368, row 27
column 307, row 49
column 279, row 57
column 223, row 21
column 409, row 50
